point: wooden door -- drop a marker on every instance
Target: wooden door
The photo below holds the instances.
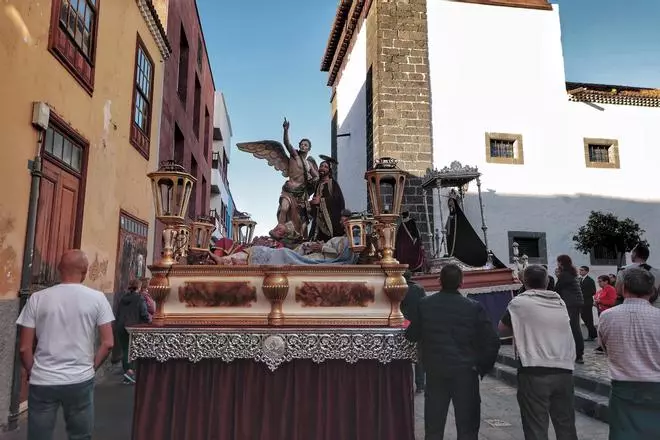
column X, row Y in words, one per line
column 56, row 222
column 55, row 232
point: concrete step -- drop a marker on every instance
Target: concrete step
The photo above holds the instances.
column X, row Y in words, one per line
column 587, row 402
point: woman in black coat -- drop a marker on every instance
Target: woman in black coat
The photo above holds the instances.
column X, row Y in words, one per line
column 568, row 288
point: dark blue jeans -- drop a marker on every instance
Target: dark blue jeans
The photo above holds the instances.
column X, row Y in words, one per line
column 77, row 401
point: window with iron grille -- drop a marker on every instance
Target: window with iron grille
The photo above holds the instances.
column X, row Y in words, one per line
column 601, row 153
column 504, row 148
column 501, row 148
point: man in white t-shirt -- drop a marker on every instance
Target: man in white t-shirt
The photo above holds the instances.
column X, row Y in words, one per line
column 63, row 320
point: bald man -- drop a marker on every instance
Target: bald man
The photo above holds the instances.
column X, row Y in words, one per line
column 62, row 320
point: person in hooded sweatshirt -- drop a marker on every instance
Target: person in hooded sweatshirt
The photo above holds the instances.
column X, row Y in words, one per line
column 132, row 310
column 544, row 347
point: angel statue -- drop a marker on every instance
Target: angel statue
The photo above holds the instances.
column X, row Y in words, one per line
column 302, row 173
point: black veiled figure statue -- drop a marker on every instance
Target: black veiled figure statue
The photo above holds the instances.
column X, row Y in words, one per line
column 463, row 242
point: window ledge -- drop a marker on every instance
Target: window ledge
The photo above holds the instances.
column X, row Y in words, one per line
column 87, row 86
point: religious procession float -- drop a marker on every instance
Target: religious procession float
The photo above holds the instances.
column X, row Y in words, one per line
column 298, row 335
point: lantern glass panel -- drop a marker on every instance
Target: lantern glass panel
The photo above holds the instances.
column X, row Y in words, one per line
column 356, row 233
column 387, row 194
column 165, row 186
column 199, row 237
column 178, row 208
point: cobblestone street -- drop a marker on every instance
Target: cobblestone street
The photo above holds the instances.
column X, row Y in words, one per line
column 500, row 416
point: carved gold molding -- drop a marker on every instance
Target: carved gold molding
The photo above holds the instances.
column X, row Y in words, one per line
column 262, row 270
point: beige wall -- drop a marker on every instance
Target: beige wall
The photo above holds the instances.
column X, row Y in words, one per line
column 116, row 176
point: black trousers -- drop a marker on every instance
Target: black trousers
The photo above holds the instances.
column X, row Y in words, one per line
column 574, row 316
column 546, row 396
column 587, row 314
column 420, row 376
column 461, row 389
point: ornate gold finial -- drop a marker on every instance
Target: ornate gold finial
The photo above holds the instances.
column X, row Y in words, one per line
column 275, row 287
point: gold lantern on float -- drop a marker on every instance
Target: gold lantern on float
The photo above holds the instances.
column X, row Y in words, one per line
column 356, row 230
column 172, row 186
column 201, row 231
column 385, row 184
column 242, row 228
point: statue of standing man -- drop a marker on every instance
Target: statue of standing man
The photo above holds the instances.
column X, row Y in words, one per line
column 301, row 171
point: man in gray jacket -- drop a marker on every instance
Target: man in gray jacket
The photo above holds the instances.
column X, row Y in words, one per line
column 545, row 350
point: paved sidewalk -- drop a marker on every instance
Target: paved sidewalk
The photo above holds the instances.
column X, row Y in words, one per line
column 113, row 403
column 500, row 416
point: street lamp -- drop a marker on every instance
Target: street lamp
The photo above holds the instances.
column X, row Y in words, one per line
column 385, row 183
column 356, row 228
column 201, row 231
column 172, row 186
column 242, row 228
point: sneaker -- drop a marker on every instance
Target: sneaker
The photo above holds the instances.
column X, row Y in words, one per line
column 599, row 350
column 129, row 378
column 579, row 360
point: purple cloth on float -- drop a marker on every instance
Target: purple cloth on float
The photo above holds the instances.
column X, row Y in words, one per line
column 495, row 303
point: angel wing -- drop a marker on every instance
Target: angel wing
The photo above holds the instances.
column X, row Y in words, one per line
column 272, row 151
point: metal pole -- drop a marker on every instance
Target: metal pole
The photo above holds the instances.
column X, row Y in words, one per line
column 428, row 222
column 26, row 278
column 483, row 220
column 443, row 228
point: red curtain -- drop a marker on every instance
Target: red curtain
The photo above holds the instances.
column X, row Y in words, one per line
column 301, row 400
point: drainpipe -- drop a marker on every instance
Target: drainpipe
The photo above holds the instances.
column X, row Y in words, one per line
column 26, row 278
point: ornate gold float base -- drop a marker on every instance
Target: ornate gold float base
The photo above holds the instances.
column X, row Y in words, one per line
column 322, row 295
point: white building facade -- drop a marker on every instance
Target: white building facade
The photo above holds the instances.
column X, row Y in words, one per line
column 222, row 201
column 550, row 152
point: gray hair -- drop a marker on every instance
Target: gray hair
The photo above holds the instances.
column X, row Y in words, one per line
column 535, row 277
column 638, row 281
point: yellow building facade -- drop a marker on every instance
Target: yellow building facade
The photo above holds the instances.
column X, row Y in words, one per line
column 80, row 83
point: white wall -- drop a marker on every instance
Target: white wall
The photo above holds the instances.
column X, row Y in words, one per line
column 221, row 121
column 510, row 79
column 352, row 118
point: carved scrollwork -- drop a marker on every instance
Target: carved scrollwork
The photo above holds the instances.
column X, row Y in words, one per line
column 272, row 348
column 334, row 294
column 217, row 293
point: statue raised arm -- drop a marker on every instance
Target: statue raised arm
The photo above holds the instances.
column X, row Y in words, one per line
column 301, row 171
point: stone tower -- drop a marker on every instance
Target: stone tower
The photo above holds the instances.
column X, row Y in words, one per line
column 392, row 35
